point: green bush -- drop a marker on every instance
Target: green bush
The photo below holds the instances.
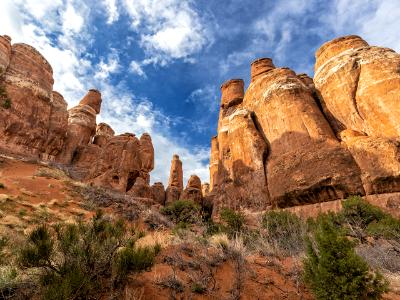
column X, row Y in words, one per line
column 388, row 228
column 234, row 220
column 333, row 270
column 131, row 259
column 284, row 231
column 182, row 211
column 362, row 218
column 359, row 213
column 78, row 260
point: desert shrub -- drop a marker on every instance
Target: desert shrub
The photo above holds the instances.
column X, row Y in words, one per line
column 78, row 260
column 234, row 221
column 284, row 231
column 182, row 211
column 213, row 228
column 131, row 259
column 332, row 268
column 359, row 213
column 363, row 218
column 388, row 228
column 198, row 288
column 2, row 186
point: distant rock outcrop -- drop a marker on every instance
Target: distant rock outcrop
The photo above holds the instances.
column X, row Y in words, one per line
column 35, row 123
column 193, row 190
column 175, row 183
column 291, row 140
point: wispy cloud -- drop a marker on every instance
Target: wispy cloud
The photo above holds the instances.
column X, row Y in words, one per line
column 136, row 68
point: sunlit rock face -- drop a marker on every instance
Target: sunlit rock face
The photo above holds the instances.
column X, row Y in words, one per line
column 26, row 83
column 35, row 123
column 275, row 147
column 359, row 90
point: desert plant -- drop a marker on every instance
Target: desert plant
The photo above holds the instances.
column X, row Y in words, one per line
column 359, row 213
column 2, row 186
column 284, row 231
column 234, row 221
column 182, row 211
column 363, row 218
column 76, row 260
column 333, row 270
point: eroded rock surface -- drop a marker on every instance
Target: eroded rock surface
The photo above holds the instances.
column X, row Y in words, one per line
column 36, row 123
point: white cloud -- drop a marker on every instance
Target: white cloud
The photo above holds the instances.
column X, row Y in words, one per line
column 72, row 21
column 376, row 21
column 111, row 8
column 74, row 75
column 169, row 29
column 136, row 68
column 106, row 68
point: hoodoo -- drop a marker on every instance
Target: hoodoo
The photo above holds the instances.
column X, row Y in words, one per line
column 291, row 140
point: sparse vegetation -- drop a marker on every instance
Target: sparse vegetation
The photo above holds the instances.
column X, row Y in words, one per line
column 182, row 211
column 234, row 221
column 363, row 219
column 284, row 231
column 332, row 268
column 78, row 260
column 2, row 186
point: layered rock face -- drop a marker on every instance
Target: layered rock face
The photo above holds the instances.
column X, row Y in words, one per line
column 175, row 183
column 28, row 109
column 35, row 123
column 359, row 88
column 317, row 140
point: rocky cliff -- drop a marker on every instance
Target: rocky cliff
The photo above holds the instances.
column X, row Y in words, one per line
column 291, row 140
column 35, row 123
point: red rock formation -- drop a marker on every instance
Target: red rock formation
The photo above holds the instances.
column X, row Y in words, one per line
column 27, row 82
column 359, row 90
column 37, row 124
column 175, row 183
column 5, row 52
column 205, row 189
column 57, row 127
column 81, row 124
column 359, row 86
column 306, row 163
column 263, row 158
column 214, row 162
column 146, row 153
column 103, row 134
column 193, row 190
column 158, row 193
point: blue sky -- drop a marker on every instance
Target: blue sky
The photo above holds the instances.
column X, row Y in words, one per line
column 159, row 64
